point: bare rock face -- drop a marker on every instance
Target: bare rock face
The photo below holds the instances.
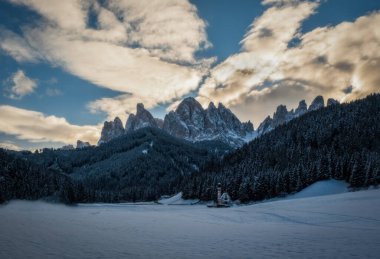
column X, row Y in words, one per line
column 82, row 144
column 159, row 122
column 213, row 119
column 142, row 119
column 111, row 130
column 317, row 103
column 265, row 126
column 247, row 126
column 331, row 102
column 192, row 114
column 280, row 116
column 190, row 121
column 231, row 122
column 67, row 147
column 301, row 109
column 175, row 126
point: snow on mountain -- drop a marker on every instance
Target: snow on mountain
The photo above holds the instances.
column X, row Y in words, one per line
column 282, row 115
column 189, row 121
column 317, row 103
column 142, row 119
column 301, row 109
column 111, row 130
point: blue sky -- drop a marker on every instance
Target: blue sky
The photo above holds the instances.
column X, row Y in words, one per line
column 199, row 50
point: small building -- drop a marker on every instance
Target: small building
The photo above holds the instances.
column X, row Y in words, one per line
column 225, row 199
column 222, row 200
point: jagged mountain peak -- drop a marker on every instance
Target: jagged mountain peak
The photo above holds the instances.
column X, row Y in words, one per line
column 281, row 111
column 265, row 126
column 301, row 109
column 188, row 107
column 192, row 122
column 332, row 101
column 117, row 122
column 282, row 115
column 111, row 130
column 140, row 108
column 317, row 103
column 82, row 144
column 143, row 118
column 211, row 105
column 189, row 103
column 221, row 106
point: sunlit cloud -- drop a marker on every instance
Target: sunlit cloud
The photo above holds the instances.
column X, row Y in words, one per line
column 141, row 48
column 146, row 51
column 17, row 47
column 270, row 70
column 38, row 127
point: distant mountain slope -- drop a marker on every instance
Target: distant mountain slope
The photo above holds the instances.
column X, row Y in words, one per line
column 140, row 165
column 282, row 115
column 339, row 141
column 189, row 121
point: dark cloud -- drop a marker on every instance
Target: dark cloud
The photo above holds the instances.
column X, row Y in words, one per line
column 265, row 33
column 345, row 66
column 347, row 90
column 320, row 60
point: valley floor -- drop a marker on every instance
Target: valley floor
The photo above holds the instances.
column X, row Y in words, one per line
column 345, row 225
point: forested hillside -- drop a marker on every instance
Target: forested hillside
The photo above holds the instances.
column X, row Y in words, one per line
column 340, row 142
column 139, row 166
column 22, row 179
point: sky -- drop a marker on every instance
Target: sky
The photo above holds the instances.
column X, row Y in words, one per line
column 67, row 66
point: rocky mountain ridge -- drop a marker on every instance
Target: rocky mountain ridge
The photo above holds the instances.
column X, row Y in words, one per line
column 189, row 121
column 282, row 115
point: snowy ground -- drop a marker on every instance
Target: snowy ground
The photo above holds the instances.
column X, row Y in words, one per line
column 177, row 200
column 327, row 187
column 345, row 225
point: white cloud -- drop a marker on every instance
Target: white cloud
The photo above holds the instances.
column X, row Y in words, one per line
column 38, row 127
column 168, row 29
column 137, row 48
column 334, row 58
column 146, row 51
column 20, row 85
column 116, row 67
column 269, row 71
column 53, row 92
column 17, row 47
column 120, row 106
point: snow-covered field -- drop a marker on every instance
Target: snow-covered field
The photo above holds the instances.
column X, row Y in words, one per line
column 345, row 225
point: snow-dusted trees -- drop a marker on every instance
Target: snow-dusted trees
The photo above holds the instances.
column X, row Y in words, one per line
column 340, row 142
column 115, row 171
